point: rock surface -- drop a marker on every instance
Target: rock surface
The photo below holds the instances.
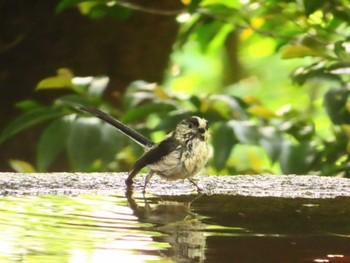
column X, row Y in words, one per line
column 287, row 186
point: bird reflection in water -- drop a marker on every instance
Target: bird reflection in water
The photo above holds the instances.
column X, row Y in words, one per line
column 183, row 229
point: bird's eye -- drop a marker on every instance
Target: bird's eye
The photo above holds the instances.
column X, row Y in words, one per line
column 192, row 123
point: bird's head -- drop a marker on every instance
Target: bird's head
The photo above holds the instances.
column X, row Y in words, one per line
column 192, row 127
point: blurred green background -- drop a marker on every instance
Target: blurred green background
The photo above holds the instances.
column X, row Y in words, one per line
column 270, row 76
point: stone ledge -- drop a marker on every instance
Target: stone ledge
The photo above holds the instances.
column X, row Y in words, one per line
column 286, row 186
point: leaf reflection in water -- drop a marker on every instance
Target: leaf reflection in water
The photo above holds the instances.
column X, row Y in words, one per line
column 88, row 228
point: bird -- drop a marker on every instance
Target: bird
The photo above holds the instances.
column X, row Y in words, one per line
column 180, row 155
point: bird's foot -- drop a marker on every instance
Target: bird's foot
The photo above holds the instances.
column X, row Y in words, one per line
column 199, row 190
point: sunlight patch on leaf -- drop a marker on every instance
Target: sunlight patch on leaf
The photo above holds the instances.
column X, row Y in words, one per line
column 20, row 166
column 63, row 80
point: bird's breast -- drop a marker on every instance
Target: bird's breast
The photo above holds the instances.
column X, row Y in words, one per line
column 195, row 159
column 184, row 162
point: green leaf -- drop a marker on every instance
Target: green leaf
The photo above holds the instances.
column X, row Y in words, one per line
column 341, row 14
column 224, row 5
column 83, row 142
column 340, row 68
column 95, row 86
column 297, row 158
column 91, row 142
column 298, row 51
column 27, row 105
column 138, row 92
column 101, row 10
column 52, row 142
column 246, row 131
column 29, row 119
column 63, row 80
column 172, row 119
column 312, row 5
column 85, row 7
column 313, row 42
column 193, row 5
column 21, row 166
column 189, row 29
column 261, row 112
column 64, row 4
column 207, row 32
column 314, row 71
column 300, row 127
column 335, row 102
column 271, row 140
column 72, row 100
column 228, row 106
column 138, row 113
column 195, row 101
column 223, row 141
column 54, row 83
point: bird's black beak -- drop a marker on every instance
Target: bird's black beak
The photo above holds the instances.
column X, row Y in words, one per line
column 201, row 130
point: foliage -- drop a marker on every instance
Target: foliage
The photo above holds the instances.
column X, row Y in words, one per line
column 249, row 135
column 67, row 132
column 287, row 137
column 315, row 32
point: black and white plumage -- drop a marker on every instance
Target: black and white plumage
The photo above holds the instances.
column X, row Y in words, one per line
column 181, row 155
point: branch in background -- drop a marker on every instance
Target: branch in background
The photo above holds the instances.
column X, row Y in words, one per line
column 4, row 47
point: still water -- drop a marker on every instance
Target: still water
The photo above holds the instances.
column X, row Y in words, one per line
column 190, row 228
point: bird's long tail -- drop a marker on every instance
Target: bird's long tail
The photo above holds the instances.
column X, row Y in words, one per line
column 134, row 135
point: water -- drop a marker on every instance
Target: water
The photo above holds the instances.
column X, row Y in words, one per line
column 185, row 228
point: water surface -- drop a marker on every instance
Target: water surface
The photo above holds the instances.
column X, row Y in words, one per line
column 185, row 228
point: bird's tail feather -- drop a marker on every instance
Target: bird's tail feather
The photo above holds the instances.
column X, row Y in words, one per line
column 134, row 135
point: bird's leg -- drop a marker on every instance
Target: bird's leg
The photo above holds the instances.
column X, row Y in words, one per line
column 129, row 181
column 195, row 184
column 148, row 178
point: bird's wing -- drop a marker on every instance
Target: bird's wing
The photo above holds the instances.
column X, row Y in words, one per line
column 153, row 155
column 134, row 135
